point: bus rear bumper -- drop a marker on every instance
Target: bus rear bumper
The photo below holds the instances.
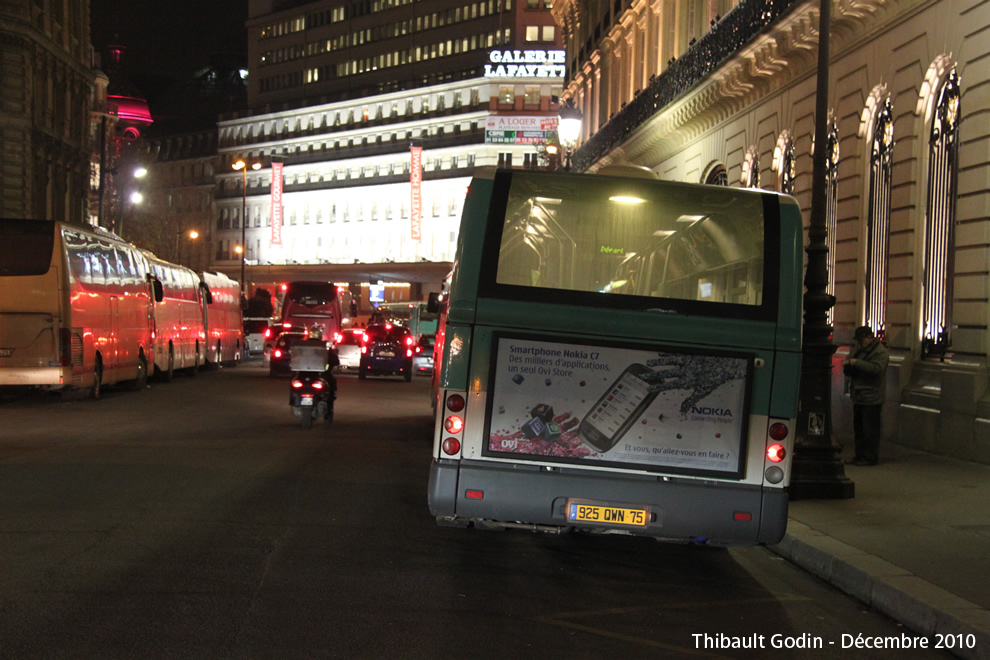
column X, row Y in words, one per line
column 529, row 497
column 49, row 377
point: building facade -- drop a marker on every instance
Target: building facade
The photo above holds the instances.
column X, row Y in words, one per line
column 373, row 116
column 728, row 96
column 47, row 126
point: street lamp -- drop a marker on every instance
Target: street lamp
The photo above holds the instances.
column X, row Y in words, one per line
column 134, row 198
column 817, row 468
column 243, row 167
column 569, row 129
column 192, row 234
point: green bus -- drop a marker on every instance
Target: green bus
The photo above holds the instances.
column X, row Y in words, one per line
column 413, row 315
column 619, row 354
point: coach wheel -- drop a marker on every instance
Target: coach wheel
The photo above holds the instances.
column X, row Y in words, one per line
column 97, row 389
column 142, row 373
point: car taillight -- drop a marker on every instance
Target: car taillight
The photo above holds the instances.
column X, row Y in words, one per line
column 317, row 385
column 297, row 384
column 268, row 333
column 409, row 341
column 455, row 403
column 776, row 453
column 453, row 424
column 451, row 446
column 337, row 337
column 364, row 349
column 277, row 353
column 408, row 352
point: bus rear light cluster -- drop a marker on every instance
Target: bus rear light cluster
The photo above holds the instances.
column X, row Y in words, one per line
column 453, row 424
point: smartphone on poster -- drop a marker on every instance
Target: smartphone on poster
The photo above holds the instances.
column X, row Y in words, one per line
column 618, row 409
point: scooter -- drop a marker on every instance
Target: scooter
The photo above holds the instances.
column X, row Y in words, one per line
column 313, row 387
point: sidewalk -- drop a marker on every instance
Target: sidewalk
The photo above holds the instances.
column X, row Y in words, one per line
column 914, row 543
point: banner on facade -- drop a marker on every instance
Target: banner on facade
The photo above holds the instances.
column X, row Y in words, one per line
column 416, row 203
column 276, row 203
column 519, row 130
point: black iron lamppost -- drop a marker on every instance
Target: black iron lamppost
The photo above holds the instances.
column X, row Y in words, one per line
column 569, row 129
column 818, row 471
column 243, row 167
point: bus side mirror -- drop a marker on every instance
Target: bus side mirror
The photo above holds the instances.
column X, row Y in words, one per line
column 156, row 284
column 433, row 304
column 207, row 296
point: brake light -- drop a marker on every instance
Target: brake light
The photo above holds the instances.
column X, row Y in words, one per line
column 277, row 353
column 453, row 424
column 297, row 384
column 451, row 446
column 65, row 347
column 455, row 403
column 778, row 431
column 317, row 385
column 337, row 337
column 776, row 453
column 364, row 349
column 409, row 341
column 268, row 333
column 286, row 326
column 408, row 352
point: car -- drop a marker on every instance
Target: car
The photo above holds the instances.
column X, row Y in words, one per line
column 254, row 334
column 349, row 347
column 423, row 357
column 387, row 350
column 278, row 362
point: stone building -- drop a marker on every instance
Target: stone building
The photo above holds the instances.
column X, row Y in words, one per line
column 712, row 93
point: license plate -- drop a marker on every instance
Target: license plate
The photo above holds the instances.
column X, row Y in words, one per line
column 306, row 401
column 608, row 515
column 386, row 354
column 6, row 352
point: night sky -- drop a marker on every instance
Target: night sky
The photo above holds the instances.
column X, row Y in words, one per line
column 169, row 39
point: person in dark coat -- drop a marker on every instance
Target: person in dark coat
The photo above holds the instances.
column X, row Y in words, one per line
column 866, row 368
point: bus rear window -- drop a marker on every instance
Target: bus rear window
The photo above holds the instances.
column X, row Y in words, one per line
column 643, row 238
column 311, row 294
column 25, row 247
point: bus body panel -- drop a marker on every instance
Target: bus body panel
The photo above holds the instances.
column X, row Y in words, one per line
column 87, row 304
column 178, row 318
column 222, row 318
column 475, row 480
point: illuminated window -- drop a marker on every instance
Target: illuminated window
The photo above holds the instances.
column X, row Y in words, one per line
column 548, row 32
column 878, row 220
column 532, row 95
column 532, row 33
column 940, row 219
column 506, row 94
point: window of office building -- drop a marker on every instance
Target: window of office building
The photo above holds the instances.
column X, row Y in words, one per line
column 878, row 219
column 940, row 219
column 532, row 95
column 532, row 33
column 506, row 94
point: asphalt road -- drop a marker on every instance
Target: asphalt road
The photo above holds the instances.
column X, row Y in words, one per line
column 196, row 519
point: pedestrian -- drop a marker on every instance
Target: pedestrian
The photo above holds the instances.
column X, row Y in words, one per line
column 866, row 368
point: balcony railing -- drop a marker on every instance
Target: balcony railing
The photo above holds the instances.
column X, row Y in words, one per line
column 739, row 27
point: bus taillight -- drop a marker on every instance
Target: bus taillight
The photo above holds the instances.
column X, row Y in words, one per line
column 778, row 431
column 65, row 347
column 776, row 453
column 453, row 424
column 451, row 446
column 455, row 403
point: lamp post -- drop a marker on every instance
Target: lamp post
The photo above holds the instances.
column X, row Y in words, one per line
column 818, row 471
column 243, row 167
column 569, row 129
column 193, row 235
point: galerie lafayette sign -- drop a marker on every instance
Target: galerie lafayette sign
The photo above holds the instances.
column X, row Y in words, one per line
column 525, row 64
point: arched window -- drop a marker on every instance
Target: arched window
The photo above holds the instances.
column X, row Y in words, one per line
column 717, row 176
column 831, row 207
column 751, row 169
column 940, row 218
column 878, row 220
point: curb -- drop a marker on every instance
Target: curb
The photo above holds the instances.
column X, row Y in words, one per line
column 921, row 606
